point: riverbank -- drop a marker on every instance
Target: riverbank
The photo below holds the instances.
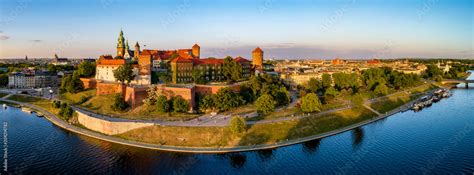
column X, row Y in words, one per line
column 57, row 121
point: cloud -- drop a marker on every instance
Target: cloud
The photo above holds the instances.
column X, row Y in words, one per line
column 36, row 41
column 3, row 36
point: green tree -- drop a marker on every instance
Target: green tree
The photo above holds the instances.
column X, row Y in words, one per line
column 179, row 104
column 237, row 125
column 65, row 111
column 231, row 70
column 162, row 104
column 265, row 104
column 124, row 73
column 119, row 103
column 51, row 68
column 327, row 81
column 86, row 69
column 198, row 76
column 433, row 71
column 282, row 96
column 381, row 89
column 206, row 102
column 56, row 104
column 3, row 80
column 310, row 103
column 227, row 99
column 71, row 84
column 331, row 92
column 314, row 85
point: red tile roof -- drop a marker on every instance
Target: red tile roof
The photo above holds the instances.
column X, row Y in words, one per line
column 180, row 59
column 209, row 61
column 109, row 60
column 167, row 54
column 257, row 50
column 240, row 59
column 374, row 61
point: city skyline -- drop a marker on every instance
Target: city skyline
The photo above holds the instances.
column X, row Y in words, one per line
column 284, row 29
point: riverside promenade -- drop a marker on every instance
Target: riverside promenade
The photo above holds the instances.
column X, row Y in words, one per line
column 61, row 123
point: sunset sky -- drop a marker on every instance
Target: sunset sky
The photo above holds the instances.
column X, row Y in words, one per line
column 318, row 29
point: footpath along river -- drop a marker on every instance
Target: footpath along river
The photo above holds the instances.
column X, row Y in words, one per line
column 436, row 140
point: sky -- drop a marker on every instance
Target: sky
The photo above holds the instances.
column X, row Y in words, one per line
column 297, row 29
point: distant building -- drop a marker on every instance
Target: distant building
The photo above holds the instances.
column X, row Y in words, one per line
column 337, row 61
column 32, row 80
column 373, row 62
column 60, row 61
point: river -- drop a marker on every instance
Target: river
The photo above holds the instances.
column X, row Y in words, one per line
column 436, row 140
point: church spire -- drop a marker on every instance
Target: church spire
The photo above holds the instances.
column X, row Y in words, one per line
column 127, row 48
column 120, row 43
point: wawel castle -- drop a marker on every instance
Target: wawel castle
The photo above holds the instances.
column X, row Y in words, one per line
column 178, row 65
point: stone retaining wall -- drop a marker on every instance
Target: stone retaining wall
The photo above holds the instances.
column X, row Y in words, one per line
column 106, row 126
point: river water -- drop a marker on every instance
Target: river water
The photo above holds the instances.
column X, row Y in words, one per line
column 436, row 140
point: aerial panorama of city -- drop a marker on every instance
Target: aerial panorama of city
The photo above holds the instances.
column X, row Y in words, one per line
column 237, row 87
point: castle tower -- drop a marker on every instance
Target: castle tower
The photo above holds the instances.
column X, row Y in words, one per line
column 137, row 50
column 127, row 48
column 144, row 70
column 257, row 58
column 196, row 51
column 121, row 45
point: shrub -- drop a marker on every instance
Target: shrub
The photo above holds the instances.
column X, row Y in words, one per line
column 179, row 104
column 66, row 111
column 119, row 103
column 56, row 104
column 237, row 125
column 162, row 104
column 83, row 99
column 381, row 89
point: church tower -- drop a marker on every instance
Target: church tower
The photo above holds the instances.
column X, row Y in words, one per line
column 257, row 58
column 121, row 45
column 137, row 50
column 196, row 51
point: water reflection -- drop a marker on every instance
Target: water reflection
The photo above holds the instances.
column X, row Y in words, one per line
column 236, row 160
column 265, row 155
column 311, row 146
column 357, row 137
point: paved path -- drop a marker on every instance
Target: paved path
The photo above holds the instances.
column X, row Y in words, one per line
column 371, row 109
column 6, row 96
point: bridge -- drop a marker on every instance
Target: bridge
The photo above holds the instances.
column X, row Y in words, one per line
column 466, row 82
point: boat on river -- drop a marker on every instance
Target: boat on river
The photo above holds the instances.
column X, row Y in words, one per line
column 27, row 110
column 428, row 100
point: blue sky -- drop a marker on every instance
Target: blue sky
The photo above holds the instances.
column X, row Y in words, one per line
column 318, row 29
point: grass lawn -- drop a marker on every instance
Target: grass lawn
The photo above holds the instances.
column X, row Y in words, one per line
column 257, row 134
column 40, row 102
column 394, row 101
column 75, row 98
column 245, row 109
column 181, row 136
column 3, row 95
column 101, row 104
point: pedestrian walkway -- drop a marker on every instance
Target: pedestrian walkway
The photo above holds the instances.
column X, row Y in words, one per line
column 6, row 96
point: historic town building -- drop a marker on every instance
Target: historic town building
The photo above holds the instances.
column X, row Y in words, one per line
column 32, row 79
